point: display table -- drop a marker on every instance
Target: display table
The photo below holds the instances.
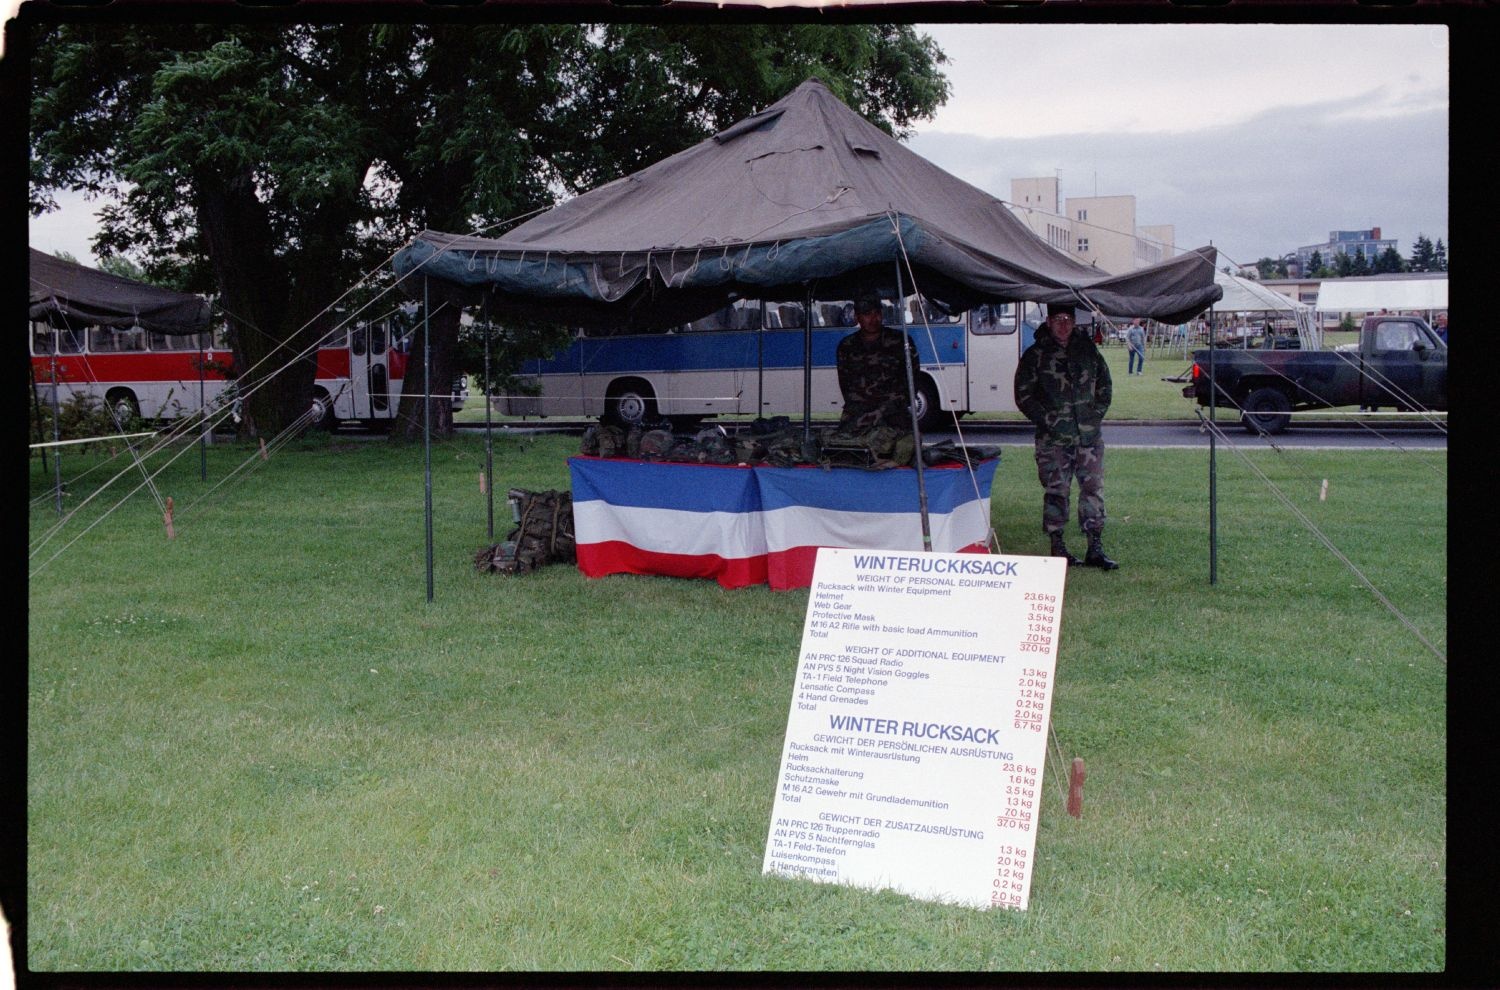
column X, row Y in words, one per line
column 763, row 525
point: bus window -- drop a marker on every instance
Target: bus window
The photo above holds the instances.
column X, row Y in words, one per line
column 108, row 339
column 785, row 316
column 741, row 315
column 994, row 318
column 926, row 312
column 377, row 338
column 833, row 314
column 357, row 341
column 179, row 341
column 43, row 339
column 337, row 337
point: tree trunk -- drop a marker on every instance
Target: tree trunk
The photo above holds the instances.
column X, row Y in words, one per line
column 254, row 294
column 444, row 324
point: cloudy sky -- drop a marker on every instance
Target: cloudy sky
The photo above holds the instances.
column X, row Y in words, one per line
column 1255, row 138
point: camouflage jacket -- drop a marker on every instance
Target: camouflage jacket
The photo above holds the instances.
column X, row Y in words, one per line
column 873, row 380
column 1065, row 391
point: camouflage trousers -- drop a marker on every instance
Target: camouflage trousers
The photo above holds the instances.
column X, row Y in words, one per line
column 1056, row 467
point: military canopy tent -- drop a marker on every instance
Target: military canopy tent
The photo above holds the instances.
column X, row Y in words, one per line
column 805, row 195
column 64, row 294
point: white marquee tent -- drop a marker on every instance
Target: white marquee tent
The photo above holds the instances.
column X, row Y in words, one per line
column 1367, row 295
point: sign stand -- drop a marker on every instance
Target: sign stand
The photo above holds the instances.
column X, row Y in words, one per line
column 917, row 733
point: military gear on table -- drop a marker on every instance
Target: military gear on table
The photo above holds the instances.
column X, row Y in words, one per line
column 875, row 446
column 633, row 441
column 602, row 440
column 654, row 444
column 1060, row 549
column 1057, row 466
column 762, row 426
column 951, row 451
column 543, row 534
column 872, row 379
column 1095, row 557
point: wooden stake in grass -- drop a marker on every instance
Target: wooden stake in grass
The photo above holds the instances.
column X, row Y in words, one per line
column 263, row 455
column 481, row 483
column 1075, row 788
column 167, row 518
column 1323, row 492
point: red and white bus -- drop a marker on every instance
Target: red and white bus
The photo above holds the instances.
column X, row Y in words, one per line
column 157, row 376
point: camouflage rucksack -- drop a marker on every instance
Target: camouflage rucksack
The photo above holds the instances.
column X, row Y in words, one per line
column 543, row 534
column 654, row 444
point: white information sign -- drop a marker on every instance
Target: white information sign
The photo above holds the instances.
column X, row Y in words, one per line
column 917, row 735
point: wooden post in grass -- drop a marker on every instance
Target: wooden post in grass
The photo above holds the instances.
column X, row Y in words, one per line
column 263, row 455
column 1075, row 788
column 167, row 518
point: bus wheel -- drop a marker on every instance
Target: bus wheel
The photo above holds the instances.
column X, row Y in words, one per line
column 323, row 405
column 124, row 406
column 929, row 410
column 630, row 403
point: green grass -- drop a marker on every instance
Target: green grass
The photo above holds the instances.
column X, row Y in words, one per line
column 258, row 747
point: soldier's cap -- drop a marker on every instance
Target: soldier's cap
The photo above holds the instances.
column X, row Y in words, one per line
column 1059, row 309
column 866, row 302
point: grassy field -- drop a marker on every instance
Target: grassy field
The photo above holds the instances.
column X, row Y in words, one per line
column 257, row 747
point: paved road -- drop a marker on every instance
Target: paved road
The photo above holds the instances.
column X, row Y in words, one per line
column 1368, row 434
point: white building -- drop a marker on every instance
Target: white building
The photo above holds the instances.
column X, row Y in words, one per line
column 1096, row 230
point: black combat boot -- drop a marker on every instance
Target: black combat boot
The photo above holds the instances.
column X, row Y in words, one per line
column 1060, row 549
column 1095, row 557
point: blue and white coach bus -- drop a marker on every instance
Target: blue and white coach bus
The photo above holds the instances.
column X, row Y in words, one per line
column 747, row 359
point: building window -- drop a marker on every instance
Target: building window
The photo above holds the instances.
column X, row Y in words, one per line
column 1083, row 244
column 1083, row 214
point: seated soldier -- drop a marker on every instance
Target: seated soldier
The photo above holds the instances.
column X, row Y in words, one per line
column 872, row 371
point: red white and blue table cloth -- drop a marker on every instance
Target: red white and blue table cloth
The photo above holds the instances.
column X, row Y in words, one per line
column 763, row 525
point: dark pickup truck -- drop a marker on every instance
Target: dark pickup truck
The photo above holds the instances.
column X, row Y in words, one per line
column 1399, row 362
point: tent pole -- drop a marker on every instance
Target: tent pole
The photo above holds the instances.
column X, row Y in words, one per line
column 911, row 401
column 760, row 364
column 807, row 326
column 489, row 459
column 427, row 425
column 1213, row 452
column 203, row 423
column 56, row 426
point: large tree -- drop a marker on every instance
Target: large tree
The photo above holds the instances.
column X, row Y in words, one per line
column 277, row 165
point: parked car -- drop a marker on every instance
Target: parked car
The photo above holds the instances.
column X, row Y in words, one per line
column 1399, row 362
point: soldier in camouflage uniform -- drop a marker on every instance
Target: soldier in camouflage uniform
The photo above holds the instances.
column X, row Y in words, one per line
column 1063, row 386
column 872, row 372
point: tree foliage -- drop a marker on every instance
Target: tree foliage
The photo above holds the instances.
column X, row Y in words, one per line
column 276, row 165
column 1421, row 255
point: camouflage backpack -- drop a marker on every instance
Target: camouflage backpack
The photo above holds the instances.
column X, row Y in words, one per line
column 543, row 534
column 602, row 440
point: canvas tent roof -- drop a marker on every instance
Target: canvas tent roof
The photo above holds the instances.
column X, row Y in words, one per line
column 1246, row 295
column 806, row 191
column 68, row 294
column 1368, row 295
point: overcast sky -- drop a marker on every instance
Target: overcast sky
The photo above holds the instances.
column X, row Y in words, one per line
column 1256, row 138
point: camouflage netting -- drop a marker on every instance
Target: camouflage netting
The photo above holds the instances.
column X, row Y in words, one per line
column 543, row 534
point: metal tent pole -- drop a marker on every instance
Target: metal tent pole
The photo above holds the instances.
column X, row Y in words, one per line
column 489, row 460
column 760, row 364
column 56, row 427
column 427, row 424
column 1213, row 464
column 911, row 401
column 807, row 325
column 203, row 418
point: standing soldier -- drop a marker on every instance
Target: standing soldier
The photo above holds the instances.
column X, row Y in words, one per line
column 872, row 371
column 1063, row 386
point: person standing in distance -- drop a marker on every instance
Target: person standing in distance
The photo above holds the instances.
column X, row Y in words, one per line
column 1063, row 386
column 1135, row 345
column 872, row 371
